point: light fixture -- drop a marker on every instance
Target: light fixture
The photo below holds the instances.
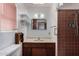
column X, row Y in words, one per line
column 41, row 15
column 36, row 15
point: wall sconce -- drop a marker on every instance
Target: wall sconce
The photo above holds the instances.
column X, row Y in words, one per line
column 42, row 16
column 36, row 16
column 39, row 16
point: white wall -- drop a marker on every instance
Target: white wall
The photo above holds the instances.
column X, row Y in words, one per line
column 31, row 11
column 21, row 10
column 39, row 33
column 50, row 15
column 53, row 19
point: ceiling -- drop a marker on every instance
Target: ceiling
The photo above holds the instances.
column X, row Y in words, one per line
column 70, row 6
column 31, row 5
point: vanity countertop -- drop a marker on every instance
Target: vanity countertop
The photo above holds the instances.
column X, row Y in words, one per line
column 40, row 41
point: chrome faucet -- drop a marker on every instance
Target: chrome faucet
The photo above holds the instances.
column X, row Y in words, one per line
column 38, row 38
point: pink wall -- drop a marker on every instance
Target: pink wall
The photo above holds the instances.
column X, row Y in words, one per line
column 7, row 16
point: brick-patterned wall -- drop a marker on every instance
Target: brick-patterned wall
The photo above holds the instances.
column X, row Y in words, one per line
column 68, row 39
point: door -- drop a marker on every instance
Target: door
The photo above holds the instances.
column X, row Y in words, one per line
column 68, row 42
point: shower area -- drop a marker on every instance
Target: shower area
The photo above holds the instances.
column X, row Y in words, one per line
column 68, row 32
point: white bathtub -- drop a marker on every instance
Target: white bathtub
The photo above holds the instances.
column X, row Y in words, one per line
column 6, row 39
column 13, row 50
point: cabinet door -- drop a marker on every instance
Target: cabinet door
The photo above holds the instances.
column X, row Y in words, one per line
column 50, row 51
column 43, row 52
column 38, row 52
column 27, row 51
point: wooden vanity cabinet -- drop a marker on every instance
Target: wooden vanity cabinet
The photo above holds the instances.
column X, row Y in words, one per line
column 38, row 49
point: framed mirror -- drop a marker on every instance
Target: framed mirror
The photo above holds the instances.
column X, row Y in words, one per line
column 41, row 26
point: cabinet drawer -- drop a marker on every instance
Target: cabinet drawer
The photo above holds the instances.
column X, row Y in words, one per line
column 33, row 45
column 48, row 45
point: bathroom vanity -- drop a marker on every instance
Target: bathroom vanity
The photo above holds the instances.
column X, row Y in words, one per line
column 38, row 48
